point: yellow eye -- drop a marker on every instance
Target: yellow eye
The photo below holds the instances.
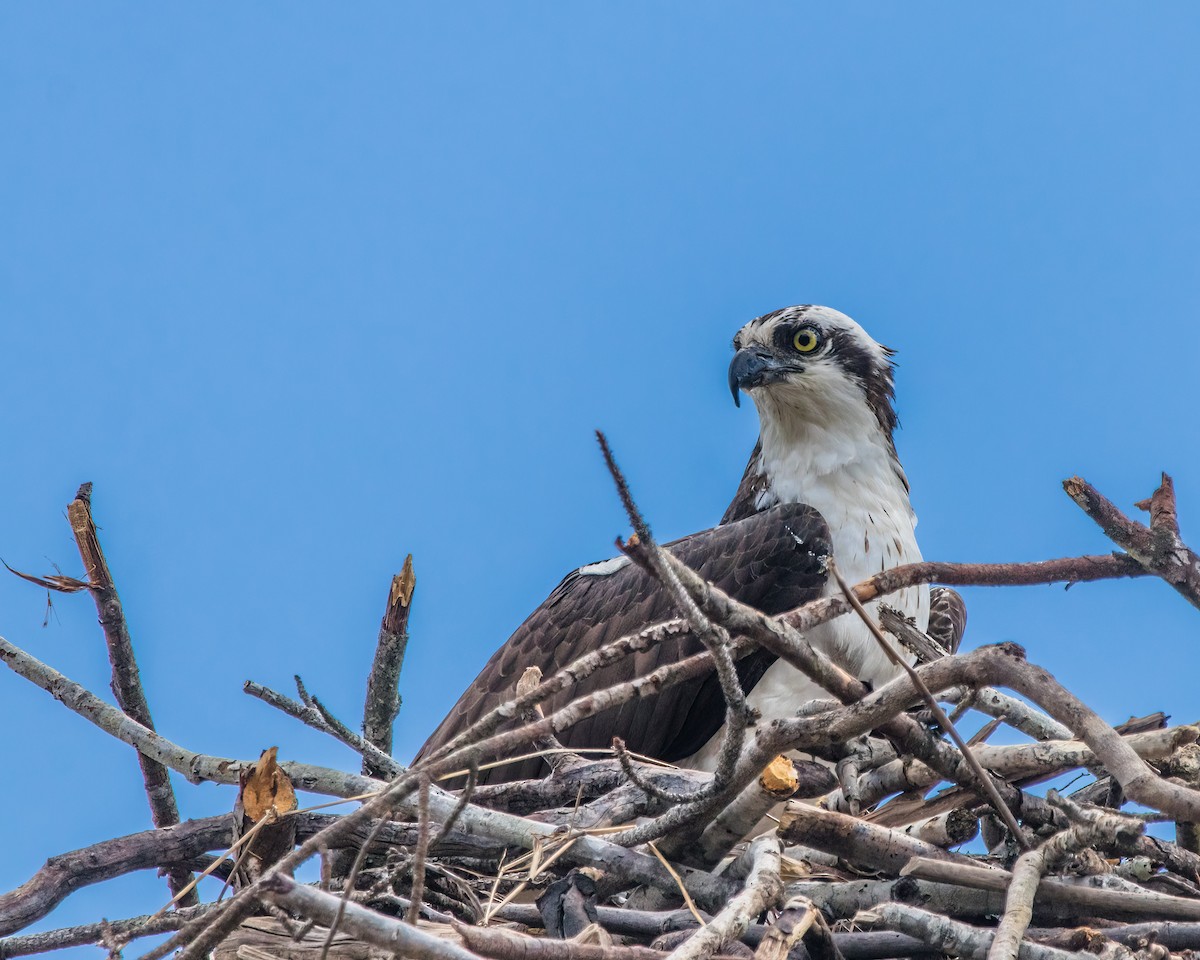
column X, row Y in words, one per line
column 806, row 340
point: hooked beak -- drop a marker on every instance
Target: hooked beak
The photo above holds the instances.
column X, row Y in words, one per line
column 752, row 368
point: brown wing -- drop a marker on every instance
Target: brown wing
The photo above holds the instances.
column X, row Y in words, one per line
column 773, row 561
column 947, row 618
column 754, row 482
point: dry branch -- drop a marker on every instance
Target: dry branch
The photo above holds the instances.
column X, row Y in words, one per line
column 1021, row 762
column 126, row 678
column 1089, row 896
column 96, row 933
column 500, row 944
column 780, row 637
column 402, row 939
column 906, row 632
column 843, row 899
column 1016, row 713
column 604, row 778
column 789, row 928
column 196, row 767
column 1157, row 547
column 67, row 872
column 855, row 840
column 1018, row 905
column 763, row 890
column 945, row 830
column 772, row 634
column 314, row 715
column 950, row 935
column 650, row 924
column 1068, row 570
column 739, row 819
column 382, row 703
column 855, row 719
column 1001, row 664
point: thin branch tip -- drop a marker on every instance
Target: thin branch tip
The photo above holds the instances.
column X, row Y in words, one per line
column 636, row 519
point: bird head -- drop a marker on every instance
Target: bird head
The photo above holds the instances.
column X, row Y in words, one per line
column 812, row 363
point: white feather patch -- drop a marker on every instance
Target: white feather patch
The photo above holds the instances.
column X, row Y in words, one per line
column 603, row 568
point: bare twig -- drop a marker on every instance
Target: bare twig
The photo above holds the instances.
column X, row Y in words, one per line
column 195, row 766
column 67, row 872
column 738, row 820
column 947, row 829
column 643, row 550
column 859, row 945
column 1095, row 900
column 315, row 715
column 89, row 933
column 557, row 756
column 683, row 890
column 464, row 799
column 1018, row 905
column 1185, row 764
column 1028, row 870
column 1016, row 713
column 781, row 637
column 198, row 941
column 830, row 729
column 906, row 632
column 1022, row 763
column 421, row 853
column 855, row 840
column 403, row 939
column 646, row 783
column 830, row 726
column 763, row 890
column 1069, row 570
column 360, row 858
column 126, row 679
column 789, row 928
column 506, row 828
column 571, row 674
column 950, row 935
column 1000, row 664
column 383, row 697
column 1158, row 547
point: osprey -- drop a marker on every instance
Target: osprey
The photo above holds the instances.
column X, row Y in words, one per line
column 823, row 479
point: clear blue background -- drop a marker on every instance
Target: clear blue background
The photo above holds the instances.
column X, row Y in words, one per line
column 305, row 287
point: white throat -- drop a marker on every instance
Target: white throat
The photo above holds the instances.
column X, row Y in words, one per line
column 836, row 457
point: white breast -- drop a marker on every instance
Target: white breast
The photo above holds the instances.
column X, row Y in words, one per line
column 855, row 482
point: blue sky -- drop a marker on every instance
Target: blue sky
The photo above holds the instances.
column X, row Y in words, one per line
column 305, row 287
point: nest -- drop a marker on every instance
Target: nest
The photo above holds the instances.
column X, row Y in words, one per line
column 855, row 850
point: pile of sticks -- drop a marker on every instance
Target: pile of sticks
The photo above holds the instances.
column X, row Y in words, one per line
column 830, row 834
